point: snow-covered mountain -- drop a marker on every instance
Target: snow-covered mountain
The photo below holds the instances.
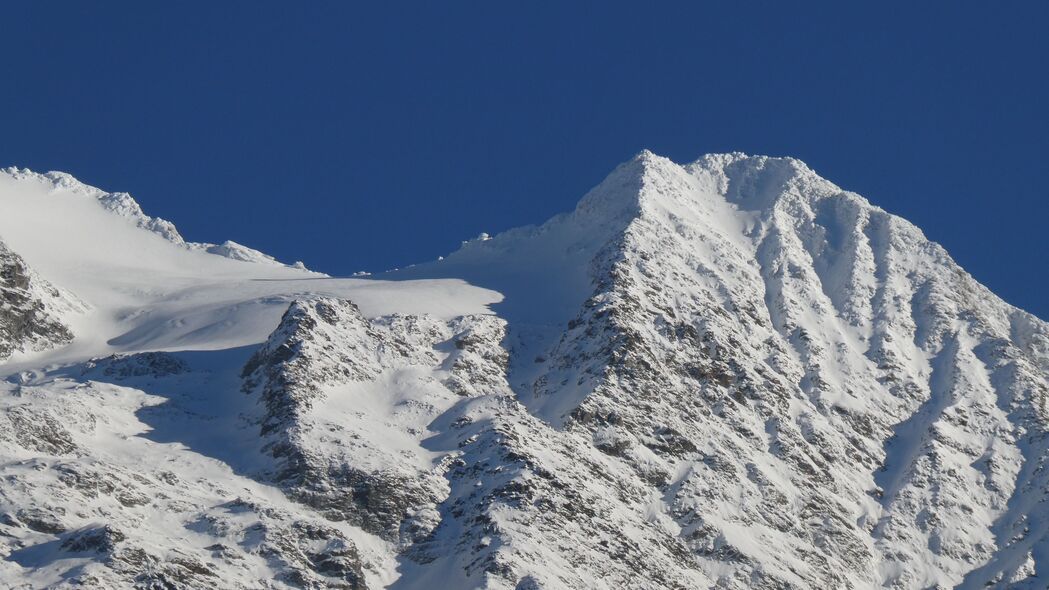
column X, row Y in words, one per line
column 727, row 374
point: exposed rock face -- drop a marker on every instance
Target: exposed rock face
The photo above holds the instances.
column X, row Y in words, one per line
column 325, row 352
column 121, row 367
column 88, row 517
column 30, row 309
column 35, row 430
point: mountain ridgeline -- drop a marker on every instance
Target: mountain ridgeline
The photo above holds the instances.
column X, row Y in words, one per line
column 725, row 374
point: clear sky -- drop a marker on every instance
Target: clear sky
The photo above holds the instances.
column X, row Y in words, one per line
column 364, row 136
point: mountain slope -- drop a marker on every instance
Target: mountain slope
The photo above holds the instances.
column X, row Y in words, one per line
column 791, row 367
column 726, row 374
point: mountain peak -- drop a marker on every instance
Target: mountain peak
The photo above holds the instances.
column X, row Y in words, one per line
column 621, row 192
column 54, row 186
column 53, row 179
column 119, row 203
column 749, row 182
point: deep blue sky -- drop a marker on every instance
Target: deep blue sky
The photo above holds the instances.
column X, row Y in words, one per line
column 361, row 136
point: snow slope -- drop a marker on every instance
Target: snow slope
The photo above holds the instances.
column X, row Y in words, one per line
column 148, row 289
column 730, row 373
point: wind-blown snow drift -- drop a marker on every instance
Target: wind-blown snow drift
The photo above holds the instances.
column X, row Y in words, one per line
column 727, row 374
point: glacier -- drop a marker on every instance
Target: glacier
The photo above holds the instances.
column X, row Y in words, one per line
column 729, row 373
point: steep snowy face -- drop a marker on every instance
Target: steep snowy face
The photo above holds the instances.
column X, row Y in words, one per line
column 62, row 185
column 830, row 398
column 730, row 373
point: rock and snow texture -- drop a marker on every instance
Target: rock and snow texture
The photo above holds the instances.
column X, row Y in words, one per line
column 727, row 374
column 31, row 310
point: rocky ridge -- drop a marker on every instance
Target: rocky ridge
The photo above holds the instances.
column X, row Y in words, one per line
column 31, row 309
